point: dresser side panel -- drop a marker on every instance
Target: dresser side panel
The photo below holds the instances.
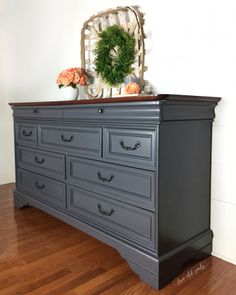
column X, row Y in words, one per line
column 184, row 182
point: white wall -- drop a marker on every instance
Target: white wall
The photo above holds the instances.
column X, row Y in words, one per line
column 192, row 50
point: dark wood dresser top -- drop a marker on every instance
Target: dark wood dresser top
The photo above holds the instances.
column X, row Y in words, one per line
column 140, row 98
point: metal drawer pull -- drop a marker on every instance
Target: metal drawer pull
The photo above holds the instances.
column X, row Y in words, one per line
column 39, row 186
column 100, row 111
column 103, row 178
column 35, row 111
column 67, row 139
column 129, row 148
column 25, row 133
column 105, row 212
column 39, row 161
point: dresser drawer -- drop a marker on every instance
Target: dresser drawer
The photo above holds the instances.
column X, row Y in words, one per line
column 140, row 111
column 131, row 147
column 126, row 221
column 130, row 185
column 26, row 134
column 43, row 188
column 79, row 140
column 35, row 112
column 51, row 164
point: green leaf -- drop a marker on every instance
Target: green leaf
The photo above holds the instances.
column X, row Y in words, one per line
column 114, row 69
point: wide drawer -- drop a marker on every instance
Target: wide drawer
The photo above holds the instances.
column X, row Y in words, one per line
column 131, row 147
column 78, row 140
column 48, row 163
column 43, row 188
column 121, row 112
column 35, row 112
column 130, row 185
column 26, row 134
column 119, row 219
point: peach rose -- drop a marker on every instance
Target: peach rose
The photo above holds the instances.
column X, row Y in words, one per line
column 65, row 78
column 132, row 88
column 83, row 80
column 72, row 76
column 76, row 78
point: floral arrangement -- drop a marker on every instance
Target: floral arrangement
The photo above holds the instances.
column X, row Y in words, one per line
column 72, row 77
column 132, row 88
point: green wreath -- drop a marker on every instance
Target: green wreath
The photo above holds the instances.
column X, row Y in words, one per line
column 114, row 55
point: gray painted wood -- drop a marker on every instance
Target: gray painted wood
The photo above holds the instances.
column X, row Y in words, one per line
column 151, row 198
column 36, row 112
column 116, row 217
column 156, row 271
column 127, row 112
column 185, row 155
column 129, row 185
column 26, row 134
column 133, row 147
column 80, row 140
column 41, row 187
column 42, row 162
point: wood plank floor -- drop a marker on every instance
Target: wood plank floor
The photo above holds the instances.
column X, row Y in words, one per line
column 42, row 255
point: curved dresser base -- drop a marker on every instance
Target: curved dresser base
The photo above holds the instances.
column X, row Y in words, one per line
column 157, row 272
column 133, row 172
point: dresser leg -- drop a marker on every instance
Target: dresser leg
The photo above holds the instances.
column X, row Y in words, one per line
column 145, row 275
column 175, row 262
column 19, row 201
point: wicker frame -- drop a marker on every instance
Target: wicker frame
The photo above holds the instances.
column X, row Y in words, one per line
column 131, row 20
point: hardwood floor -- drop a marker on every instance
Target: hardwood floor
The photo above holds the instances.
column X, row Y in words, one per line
column 42, row 255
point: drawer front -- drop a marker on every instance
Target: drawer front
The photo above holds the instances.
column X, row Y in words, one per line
column 130, row 185
column 51, row 164
column 26, row 134
column 121, row 112
column 79, row 140
column 47, row 190
column 119, row 219
column 131, row 147
column 36, row 112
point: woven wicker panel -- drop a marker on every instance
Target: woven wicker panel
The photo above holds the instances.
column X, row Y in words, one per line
column 128, row 18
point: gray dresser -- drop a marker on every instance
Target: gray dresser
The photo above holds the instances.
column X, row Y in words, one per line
column 133, row 172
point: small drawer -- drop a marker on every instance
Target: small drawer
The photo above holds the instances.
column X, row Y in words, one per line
column 129, row 185
column 78, row 140
column 38, row 112
column 43, row 188
column 26, row 134
column 131, row 147
column 51, row 164
column 114, row 217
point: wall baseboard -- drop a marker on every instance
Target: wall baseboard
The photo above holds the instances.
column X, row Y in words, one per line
column 223, row 257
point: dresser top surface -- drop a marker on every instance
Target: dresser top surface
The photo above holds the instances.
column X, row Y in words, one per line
column 141, row 98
